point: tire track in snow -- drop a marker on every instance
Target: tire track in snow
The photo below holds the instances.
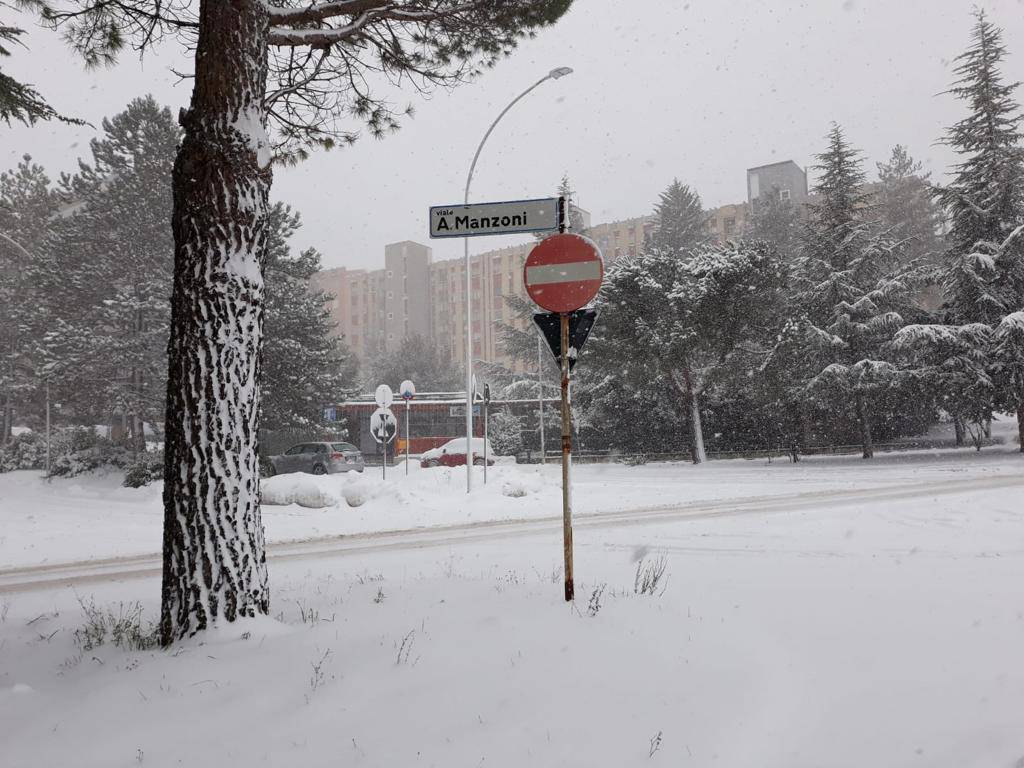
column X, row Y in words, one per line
column 142, row 566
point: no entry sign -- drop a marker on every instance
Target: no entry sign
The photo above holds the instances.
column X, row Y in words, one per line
column 563, row 272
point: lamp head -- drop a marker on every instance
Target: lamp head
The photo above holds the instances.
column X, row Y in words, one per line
column 560, row 72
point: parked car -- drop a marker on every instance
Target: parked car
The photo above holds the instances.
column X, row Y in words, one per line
column 453, row 454
column 317, row 459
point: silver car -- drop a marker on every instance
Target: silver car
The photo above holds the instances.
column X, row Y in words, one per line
column 317, row 459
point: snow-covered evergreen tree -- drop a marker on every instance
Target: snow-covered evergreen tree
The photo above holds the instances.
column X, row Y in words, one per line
column 907, row 211
column 984, row 202
column 418, row 360
column 27, row 204
column 949, row 365
column 851, row 289
column 1008, row 365
column 673, row 321
column 305, row 366
column 776, row 222
column 108, row 273
column 682, row 223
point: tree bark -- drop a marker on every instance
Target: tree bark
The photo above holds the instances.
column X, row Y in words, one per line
column 958, row 430
column 864, row 417
column 699, row 456
column 1020, row 426
column 214, row 561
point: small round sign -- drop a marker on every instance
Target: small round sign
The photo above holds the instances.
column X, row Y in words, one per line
column 563, row 272
column 384, row 396
column 407, row 390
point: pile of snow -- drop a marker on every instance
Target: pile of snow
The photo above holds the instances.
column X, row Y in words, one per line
column 437, row 487
column 300, row 488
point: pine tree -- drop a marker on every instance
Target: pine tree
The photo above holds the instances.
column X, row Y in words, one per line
column 906, row 210
column 674, row 323
column 248, row 80
column 419, row 361
column 950, row 366
column 985, row 200
column 1008, row 367
column 108, row 274
column 776, row 222
column 20, row 101
column 681, row 221
column 27, row 205
column 304, row 366
column 850, row 287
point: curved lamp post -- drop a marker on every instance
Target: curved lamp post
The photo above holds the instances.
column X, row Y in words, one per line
column 554, row 74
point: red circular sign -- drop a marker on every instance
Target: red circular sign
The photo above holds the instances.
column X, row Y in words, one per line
column 563, row 272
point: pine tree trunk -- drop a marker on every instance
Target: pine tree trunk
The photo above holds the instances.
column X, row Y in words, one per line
column 958, row 430
column 699, row 456
column 864, row 417
column 214, row 556
column 1020, row 426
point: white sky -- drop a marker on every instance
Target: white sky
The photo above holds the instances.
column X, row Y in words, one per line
column 698, row 90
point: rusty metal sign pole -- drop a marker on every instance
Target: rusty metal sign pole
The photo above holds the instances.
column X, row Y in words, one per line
column 566, row 460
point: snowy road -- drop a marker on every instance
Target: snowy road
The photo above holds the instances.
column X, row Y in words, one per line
column 79, row 573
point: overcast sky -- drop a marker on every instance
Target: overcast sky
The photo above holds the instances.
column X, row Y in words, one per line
column 698, row 90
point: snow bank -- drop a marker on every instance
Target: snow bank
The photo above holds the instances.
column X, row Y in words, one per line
column 300, row 488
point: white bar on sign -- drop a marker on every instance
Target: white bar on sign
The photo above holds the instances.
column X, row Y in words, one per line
column 570, row 272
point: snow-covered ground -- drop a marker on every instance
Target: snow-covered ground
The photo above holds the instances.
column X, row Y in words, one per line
column 92, row 516
column 881, row 632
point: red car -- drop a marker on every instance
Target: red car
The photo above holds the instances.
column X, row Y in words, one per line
column 453, row 454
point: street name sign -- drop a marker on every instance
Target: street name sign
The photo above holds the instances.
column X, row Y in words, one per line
column 504, row 218
column 563, row 272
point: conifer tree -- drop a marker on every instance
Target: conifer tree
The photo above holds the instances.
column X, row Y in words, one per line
column 271, row 79
column 108, row 274
column 984, row 202
column 776, row 222
column 305, row 366
column 851, row 288
column 27, row 206
column 906, row 210
column 682, row 223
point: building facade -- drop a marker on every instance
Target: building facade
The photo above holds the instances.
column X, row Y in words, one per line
column 375, row 310
column 788, row 177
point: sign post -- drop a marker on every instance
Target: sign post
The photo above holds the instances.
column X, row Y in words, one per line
column 408, row 391
column 487, row 402
column 500, row 218
column 382, row 423
column 562, row 274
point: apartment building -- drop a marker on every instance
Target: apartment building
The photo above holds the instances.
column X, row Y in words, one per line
column 374, row 310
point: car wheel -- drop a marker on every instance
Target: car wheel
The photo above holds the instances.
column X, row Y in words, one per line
column 267, row 468
column 319, row 469
column 430, row 463
column 478, row 462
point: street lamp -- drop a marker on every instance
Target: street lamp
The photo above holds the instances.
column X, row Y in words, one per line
column 554, row 74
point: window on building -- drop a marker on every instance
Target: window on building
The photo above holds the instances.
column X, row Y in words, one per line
column 391, row 273
column 784, row 195
column 730, row 226
column 391, row 315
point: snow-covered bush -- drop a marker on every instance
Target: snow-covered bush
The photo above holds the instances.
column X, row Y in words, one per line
column 76, row 450
column 73, row 450
column 149, row 468
column 25, row 451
